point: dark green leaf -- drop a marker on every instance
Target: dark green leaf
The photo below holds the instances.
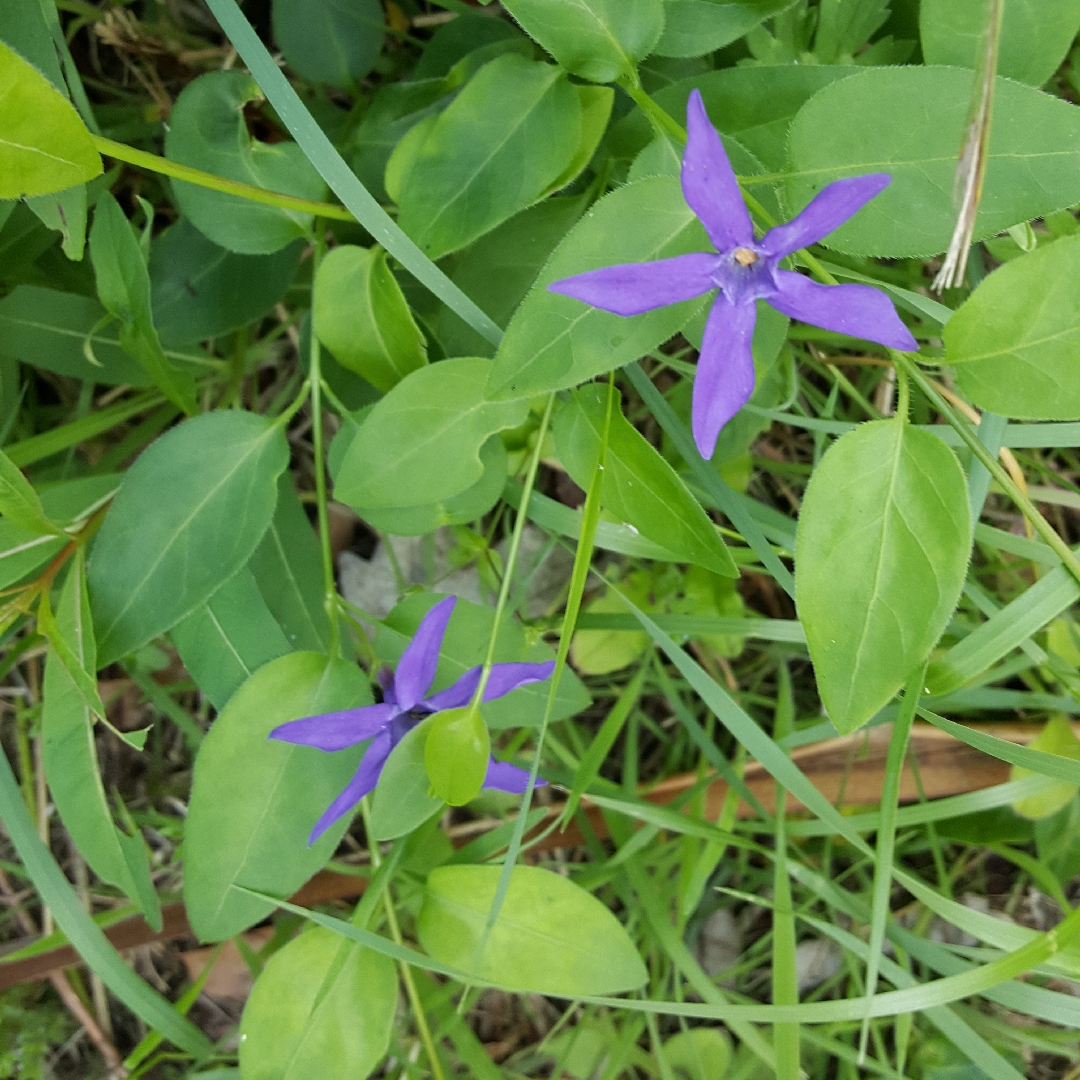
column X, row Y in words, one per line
column 698, row 27
column 330, row 41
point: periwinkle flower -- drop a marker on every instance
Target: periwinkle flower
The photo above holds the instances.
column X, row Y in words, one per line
column 406, row 703
column 744, row 270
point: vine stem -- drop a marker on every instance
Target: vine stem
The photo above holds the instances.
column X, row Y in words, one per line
column 154, row 163
column 330, row 604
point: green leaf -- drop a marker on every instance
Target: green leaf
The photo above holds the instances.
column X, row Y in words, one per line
column 698, row 27
column 321, row 1007
column 24, row 29
column 1035, row 35
column 254, row 800
column 596, row 103
column 287, row 566
column 70, row 758
column 65, row 213
column 910, row 122
column 188, row 516
column 551, row 936
column 330, row 41
column 498, row 270
column 600, row 652
column 227, row 639
column 402, row 800
column 44, row 146
column 199, row 290
column 700, row 1053
column 470, row 32
column 1057, row 738
column 207, row 130
column 55, row 331
column 1014, row 340
column 19, row 502
column 506, row 138
column 362, row 317
column 554, row 341
column 456, row 755
column 640, row 487
column 421, row 443
column 123, row 285
column 599, row 40
column 465, row 645
column 880, row 559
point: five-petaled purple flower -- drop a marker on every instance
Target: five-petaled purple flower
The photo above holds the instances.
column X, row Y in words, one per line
column 745, row 270
column 405, row 705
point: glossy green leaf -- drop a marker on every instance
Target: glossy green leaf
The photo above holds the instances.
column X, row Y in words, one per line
column 698, row 27
column 254, row 800
column 207, row 131
column 456, row 755
column 551, row 937
column 402, row 800
column 362, row 317
column 640, row 487
column 321, row 1007
column 554, row 341
column 599, row 40
column 188, row 516
column 506, row 138
column 1014, row 340
column 465, row 646
column 44, row 146
column 1035, row 35
column 498, row 270
column 56, row 331
column 881, row 555
column 70, row 758
column 330, row 41
column 227, row 639
column 754, row 104
column 123, row 285
column 910, row 122
column 287, row 566
column 199, row 290
column 400, row 455
column 1057, row 738
column 19, row 502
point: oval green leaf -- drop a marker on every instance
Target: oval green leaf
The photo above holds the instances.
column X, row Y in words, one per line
column 553, row 341
column 402, row 800
column 640, row 487
column 188, row 516
column 506, row 138
column 330, row 41
column 1056, row 737
column 254, row 800
column 598, row 40
column 456, row 755
column 207, row 130
column 1014, row 340
column 421, row 443
column 321, row 1007
column 362, row 317
column 880, row 558
column 551, row 936
column 910, row 122
column 44, row 146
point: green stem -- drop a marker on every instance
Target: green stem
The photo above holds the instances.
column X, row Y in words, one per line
column 330, row 604
column 143, row 160
column 990, row 463
column 658, row 117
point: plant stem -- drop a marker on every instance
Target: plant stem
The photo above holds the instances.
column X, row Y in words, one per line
column 330, row 604
column 143, row 160
column 990, row 463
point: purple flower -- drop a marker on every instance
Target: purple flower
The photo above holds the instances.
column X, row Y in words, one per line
column 404, row 706
column 745, row 270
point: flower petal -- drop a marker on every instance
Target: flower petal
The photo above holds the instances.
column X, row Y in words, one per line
column 725, row 375
column 364, row 780
column 825, row 212
column 416, row 668
column 857, row 310
column 504, row 679
column 709, row 183
column 336, row 730
column 632, row 288
column 502, row 776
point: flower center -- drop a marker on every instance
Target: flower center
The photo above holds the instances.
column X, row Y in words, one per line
column 744, row 256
